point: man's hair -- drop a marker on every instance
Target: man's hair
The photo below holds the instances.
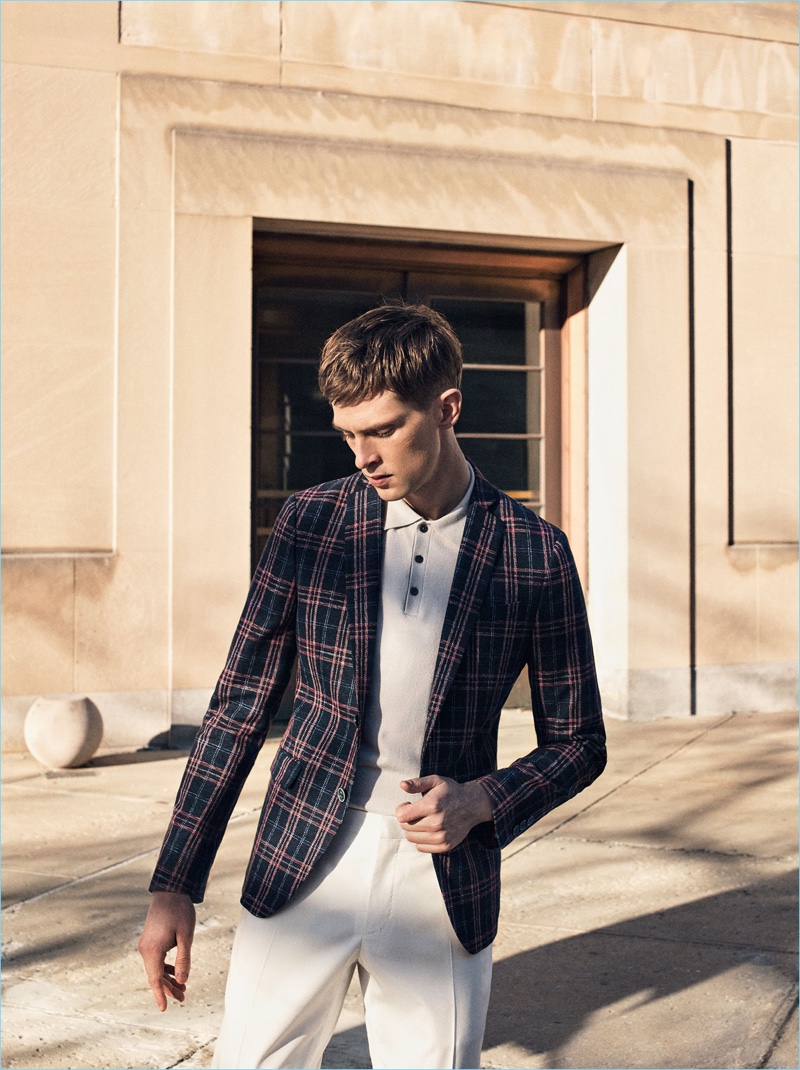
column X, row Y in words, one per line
column 408, row 349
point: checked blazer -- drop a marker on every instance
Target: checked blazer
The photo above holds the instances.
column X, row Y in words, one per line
column 515, row 600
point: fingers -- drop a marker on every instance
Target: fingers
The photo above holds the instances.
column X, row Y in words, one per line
column 157, row 977
column 170, row 983
column 435, row 842
column 162, row 980
column 428, row 804
column 433, row 849
column 425, row 826
column 420, row 784
column 170, row 923
column 407, row 813
column 438, row 821
column 183, row 959
column 155, row 969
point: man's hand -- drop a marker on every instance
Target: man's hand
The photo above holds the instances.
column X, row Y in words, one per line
column 441, row 819
column 170, row 923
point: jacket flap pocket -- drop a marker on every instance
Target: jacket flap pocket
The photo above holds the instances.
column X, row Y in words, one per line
column 285, row 769
column 290, row 772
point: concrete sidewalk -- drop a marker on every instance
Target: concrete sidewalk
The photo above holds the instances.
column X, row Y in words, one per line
column 650, row 922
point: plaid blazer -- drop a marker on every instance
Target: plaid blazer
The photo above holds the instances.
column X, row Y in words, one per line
column 515, row 600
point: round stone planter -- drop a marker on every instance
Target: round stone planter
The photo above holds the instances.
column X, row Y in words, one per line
column 62, row 733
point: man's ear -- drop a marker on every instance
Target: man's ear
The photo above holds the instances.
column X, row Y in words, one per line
column 449, row 408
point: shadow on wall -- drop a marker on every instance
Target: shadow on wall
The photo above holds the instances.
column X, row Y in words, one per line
column 544, row 997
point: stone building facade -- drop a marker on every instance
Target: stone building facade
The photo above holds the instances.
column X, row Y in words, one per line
column 181, row 181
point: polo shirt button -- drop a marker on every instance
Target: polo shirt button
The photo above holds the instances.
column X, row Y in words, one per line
column 413, row 590
column 341, row 795
column 423, row 528
column 419, row 559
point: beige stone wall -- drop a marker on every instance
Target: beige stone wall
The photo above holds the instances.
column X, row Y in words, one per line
column 139, row 145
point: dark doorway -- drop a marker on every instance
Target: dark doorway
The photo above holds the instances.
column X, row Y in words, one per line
column 505, row 306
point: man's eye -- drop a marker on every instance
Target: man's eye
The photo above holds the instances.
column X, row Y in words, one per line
column 384, row 434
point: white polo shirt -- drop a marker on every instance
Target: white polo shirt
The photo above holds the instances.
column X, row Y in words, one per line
column 419, row 561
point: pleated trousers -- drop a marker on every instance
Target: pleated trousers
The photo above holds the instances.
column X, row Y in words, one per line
column 374, row 905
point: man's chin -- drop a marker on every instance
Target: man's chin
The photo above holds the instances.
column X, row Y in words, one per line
column 387, row 492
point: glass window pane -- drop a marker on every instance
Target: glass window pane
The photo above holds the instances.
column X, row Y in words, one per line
column 294, row 462
column 495, row 402
column 490, row 332
column 319, row 459
column 295, row 324
column 512, row 464
column 292, row 325
column 288, row 397
column 503, row 462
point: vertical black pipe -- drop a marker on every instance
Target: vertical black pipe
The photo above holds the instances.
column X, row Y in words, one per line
column 729, row 269
column 255, row 424
column 692, row 472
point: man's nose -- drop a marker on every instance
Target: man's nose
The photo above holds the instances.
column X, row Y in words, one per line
column 365, row 455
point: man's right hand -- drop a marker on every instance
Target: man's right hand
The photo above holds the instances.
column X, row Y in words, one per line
column 170, row 923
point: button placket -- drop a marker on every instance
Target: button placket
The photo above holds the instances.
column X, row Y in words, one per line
column 416, row 573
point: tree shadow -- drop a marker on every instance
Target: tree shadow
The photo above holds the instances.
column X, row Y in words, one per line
column 543, row 997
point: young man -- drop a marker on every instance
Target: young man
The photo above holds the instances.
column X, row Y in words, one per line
column 413, row 594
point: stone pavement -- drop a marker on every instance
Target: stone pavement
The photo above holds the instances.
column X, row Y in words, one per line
column 650, row 922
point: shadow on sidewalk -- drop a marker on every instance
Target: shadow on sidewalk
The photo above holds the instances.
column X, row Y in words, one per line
column 146, row 754
column 544, row 997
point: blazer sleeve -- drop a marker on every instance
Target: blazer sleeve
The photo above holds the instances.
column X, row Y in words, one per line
column 565, row 697
column 247, row 695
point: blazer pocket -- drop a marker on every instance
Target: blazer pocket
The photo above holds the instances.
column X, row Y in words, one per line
column 286, row 769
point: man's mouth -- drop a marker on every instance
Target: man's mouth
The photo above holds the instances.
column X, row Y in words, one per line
column 378, row 481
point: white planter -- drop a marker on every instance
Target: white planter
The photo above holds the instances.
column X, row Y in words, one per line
column 61, row 733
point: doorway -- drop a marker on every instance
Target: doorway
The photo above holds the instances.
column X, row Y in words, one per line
column 506, row 306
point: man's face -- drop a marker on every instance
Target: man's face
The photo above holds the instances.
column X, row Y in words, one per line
column 397, row 447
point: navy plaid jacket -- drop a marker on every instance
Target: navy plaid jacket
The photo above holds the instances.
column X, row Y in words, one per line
column 515, row 600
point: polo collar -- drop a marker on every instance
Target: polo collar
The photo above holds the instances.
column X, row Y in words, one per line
column 399, row 514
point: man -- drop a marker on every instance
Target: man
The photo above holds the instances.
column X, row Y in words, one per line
column 413, row 594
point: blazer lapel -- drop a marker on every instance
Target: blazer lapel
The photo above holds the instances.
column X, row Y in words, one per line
column 480, row 545
column 364, row 543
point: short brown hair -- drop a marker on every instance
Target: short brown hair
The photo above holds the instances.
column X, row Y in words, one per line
column 408, row 349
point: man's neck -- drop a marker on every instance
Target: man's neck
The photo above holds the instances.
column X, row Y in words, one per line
column 444, row 493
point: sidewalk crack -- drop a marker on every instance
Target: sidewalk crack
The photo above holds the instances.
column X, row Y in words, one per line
column 784, row 1018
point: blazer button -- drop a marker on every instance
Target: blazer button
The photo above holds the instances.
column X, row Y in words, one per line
column 341, row 795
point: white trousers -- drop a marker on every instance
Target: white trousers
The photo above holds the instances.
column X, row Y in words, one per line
column 374, row 904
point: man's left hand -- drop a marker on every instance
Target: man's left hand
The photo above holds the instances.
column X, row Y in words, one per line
column 441, row 819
